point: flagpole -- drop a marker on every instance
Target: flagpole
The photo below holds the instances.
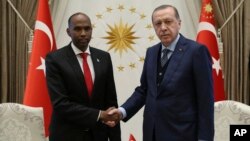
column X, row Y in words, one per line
column 50, row 1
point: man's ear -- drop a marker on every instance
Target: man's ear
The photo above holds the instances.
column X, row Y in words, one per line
column 179, row 22
column 68, row 32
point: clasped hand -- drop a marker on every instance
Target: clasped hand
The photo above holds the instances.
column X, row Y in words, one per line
column 111, row 116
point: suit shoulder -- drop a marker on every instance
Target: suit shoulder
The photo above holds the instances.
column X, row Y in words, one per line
column 99, row 51
column 197, row 47
column 59, row 51
column 192, row 42
column 154, row 46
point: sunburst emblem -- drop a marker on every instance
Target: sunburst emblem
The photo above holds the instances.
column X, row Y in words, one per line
column 125, row 32
column 121, row 37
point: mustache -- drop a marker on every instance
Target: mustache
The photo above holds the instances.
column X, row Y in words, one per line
column 165, row 34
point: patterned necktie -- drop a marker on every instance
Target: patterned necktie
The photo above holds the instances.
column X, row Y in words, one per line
column 87, row 74
column 164, row 57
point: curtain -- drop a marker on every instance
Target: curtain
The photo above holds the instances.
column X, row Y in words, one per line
column 14, row 48
column 236, row 48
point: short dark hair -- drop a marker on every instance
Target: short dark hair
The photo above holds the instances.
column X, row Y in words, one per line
column 167, row 6
column 78, row 13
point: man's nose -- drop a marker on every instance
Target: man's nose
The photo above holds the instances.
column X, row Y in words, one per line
column 83, row 32
column 164, row 26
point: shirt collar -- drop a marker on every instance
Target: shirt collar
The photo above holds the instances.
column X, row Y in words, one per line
column 78, row 51
column 172, row 45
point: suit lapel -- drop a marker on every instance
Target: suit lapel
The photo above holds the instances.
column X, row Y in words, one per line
column 151, row 60
column 97, row 64
column 72, row 60
column 154, row 63
column 174, row 62
column 74, row 63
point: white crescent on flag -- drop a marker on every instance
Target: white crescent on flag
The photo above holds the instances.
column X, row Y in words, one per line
column 43, row 27
column 206, row 26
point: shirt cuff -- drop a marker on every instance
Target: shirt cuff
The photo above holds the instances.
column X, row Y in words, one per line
column 123, row 111
column 99, row 115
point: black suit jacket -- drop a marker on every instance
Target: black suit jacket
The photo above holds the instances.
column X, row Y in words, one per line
column 75, row 114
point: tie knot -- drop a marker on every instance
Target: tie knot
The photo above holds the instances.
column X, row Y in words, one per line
column 165, row 52
column 84, row 55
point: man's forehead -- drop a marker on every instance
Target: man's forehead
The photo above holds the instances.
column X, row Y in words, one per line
column 163, row 16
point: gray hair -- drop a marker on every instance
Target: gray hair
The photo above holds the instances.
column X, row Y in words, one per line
column 164, row 7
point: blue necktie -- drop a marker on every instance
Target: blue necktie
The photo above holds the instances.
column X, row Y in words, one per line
column 164, row 57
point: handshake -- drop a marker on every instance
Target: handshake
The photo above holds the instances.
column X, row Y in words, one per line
column 111, row 116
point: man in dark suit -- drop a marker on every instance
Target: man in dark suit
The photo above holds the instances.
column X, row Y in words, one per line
column 176, row 86
column 80, row 106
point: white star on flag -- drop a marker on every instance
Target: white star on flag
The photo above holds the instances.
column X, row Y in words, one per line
column 42, row 66
column 216, row 65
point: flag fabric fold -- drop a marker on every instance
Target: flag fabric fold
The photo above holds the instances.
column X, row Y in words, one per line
column 36, row 92
column 207, row 35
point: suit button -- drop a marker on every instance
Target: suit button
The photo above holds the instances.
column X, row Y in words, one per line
column 160, row 74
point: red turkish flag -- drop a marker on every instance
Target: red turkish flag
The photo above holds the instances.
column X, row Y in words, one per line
column 207, row 36
column 36, row 92
column 131, row 138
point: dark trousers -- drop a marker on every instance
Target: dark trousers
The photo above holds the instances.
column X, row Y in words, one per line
column 154, row 138
column 83, row 136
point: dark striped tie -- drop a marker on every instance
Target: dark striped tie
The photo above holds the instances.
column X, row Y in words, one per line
column 164, row 57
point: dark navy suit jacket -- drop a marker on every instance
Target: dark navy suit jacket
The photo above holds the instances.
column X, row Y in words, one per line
column 182, row 107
